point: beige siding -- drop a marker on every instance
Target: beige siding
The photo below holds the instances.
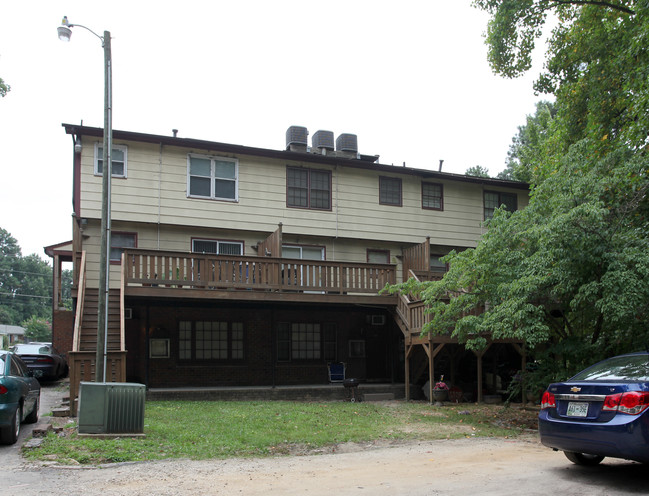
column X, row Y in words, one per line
column 155, row 194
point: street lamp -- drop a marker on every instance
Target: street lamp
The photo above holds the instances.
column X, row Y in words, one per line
column 65, row 33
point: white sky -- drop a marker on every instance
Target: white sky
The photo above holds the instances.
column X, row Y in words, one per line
column 409, row 78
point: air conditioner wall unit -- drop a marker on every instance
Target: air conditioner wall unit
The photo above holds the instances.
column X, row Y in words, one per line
column 378, row 320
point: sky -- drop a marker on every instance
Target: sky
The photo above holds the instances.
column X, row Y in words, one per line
column 409, row 78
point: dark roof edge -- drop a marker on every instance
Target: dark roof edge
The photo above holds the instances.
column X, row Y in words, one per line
column 80, row 130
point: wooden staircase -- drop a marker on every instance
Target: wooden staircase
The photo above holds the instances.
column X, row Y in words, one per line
column 88, row 329
column 83, row 355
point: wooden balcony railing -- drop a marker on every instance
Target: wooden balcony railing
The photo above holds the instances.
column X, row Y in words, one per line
column 206, row 271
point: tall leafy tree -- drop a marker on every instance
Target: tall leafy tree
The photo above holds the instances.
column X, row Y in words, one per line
column 567, row 274
column 25, row 283
column 477, row 171
column 527, row 151
column 4, row 88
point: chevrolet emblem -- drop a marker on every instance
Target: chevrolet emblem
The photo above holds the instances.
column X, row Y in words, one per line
column 575, row 389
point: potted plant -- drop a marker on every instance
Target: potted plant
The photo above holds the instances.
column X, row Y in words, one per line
column 440, row 391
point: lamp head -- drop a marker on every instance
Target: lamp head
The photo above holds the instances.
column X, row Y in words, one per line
column 63, row 30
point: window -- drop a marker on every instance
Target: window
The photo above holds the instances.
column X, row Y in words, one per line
column 298, row 341
column 212, row 177
column 308, row 188
column 390, row 191
column 216, row 247
column 436, row 265
column 158, row 348
column 119, row 241
column 378, row 256
column 211, row 340
column 495, row 199
column 432, row 196
column 330, row 342
column 118, row 160
column 356, row 348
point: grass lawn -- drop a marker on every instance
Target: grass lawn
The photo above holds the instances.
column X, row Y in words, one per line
column 203, row 430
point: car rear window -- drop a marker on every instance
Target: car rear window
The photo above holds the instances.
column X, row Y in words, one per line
column 32, row 349
column 622, row 368
column 2, row 364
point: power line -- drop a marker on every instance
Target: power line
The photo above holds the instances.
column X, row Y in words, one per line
column 24, row 295
column 27, row 273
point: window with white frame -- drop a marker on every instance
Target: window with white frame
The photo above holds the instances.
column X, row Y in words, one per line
column 217, row 247
column 211, row 340
column 118, row 160
column 212, row 177
column 496, row 199
column 119, row 241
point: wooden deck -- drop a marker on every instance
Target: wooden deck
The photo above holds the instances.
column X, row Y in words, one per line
column 151, row 273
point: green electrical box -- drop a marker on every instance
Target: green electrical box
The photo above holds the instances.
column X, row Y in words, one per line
column 111, row 408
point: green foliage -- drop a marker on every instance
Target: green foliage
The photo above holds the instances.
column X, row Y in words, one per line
column 4, row 88
column 572, row 267
column 477, row 171
column 527, row 151
column 25, row 283
column 37, row 329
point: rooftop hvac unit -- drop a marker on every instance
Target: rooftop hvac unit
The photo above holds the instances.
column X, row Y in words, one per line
column 323, row 139
column 111, row 408
column 347, row 143
column 296, row 135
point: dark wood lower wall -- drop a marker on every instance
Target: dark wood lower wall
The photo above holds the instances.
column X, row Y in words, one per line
column 260, row 367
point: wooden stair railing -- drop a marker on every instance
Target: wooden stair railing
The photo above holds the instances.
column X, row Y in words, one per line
column 83, row 355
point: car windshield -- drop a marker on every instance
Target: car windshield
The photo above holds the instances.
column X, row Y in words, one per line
column 31, row 349
column 622, row 368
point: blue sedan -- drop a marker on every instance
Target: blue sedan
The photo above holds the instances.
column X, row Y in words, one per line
column 20, row 396
column 602, row 411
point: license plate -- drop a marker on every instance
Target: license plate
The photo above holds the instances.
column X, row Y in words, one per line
column 577, row 409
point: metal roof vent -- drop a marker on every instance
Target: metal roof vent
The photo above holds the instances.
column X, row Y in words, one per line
column 347, row 143
column 296, row 135
column 323, row 140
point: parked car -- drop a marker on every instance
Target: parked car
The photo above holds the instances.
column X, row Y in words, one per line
column 602, row 411
column 42, row 359
column 20, row 396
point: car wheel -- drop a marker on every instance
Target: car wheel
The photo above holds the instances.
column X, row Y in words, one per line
column 583, row 458
column 32, row 418
column 9, row 435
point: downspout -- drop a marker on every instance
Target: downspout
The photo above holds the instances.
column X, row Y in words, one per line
column 159, row 194
column 336, row 207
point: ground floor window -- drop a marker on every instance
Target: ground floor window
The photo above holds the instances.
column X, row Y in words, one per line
column 304, row 341
column 210, row 340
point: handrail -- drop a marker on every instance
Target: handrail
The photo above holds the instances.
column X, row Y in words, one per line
column 81, row 296
column 122, row 319
column 208, row 271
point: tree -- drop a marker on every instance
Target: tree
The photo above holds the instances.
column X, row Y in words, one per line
column 37, row 329
column 477, row 171
column 25, row 283
column 568, row 273
column 4, row 88
column 571, row 269
column 526, row 153
column 597, row 64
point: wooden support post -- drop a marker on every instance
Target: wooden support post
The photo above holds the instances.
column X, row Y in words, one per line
column 407, row 371
column 479, row 355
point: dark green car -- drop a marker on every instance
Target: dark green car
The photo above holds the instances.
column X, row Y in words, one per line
column 20, row 395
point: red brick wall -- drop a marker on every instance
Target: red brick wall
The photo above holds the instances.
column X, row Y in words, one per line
column 62, row 330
